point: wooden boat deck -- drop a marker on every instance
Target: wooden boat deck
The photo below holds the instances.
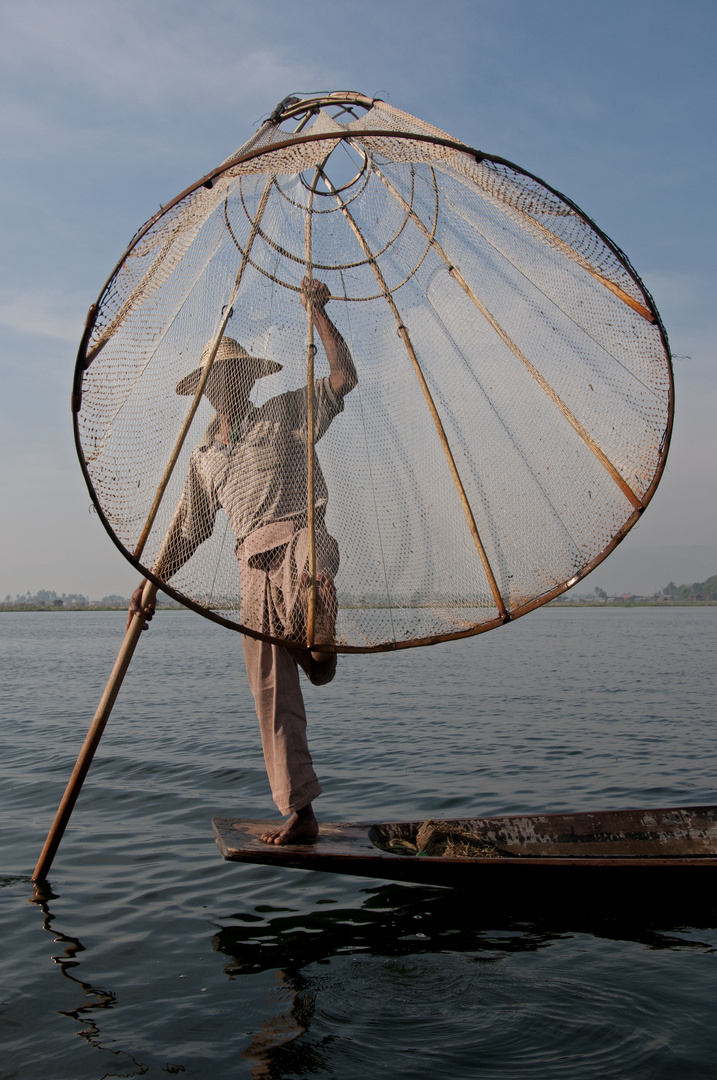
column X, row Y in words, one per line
column 674, row 845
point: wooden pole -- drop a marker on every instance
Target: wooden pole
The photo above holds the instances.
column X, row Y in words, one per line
column 149, row 594
column 92, row 740
column 204, row 376
column 310, row 424
column 403, row 333
column 517, row 352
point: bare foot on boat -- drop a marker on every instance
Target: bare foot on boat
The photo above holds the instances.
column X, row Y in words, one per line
column 301, row 826
column 326, row 610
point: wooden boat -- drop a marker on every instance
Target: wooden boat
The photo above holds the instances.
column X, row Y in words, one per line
column 672, row 850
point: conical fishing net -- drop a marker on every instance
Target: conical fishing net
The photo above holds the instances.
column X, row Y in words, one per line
column 508, row 425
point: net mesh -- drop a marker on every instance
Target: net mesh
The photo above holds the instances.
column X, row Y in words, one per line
column 508, row 424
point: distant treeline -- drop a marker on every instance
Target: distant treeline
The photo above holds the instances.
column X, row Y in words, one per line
column 704, row 592
column 699, row 590
column 50, row 600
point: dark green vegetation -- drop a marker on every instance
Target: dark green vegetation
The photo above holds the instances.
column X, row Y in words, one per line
column 705, row 591
column 699, row 592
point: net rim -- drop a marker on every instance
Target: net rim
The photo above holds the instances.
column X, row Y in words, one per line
column 83, row 363
column 477, row 156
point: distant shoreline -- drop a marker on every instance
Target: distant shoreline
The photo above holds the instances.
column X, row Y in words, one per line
column 84, row 607
column 565, row 605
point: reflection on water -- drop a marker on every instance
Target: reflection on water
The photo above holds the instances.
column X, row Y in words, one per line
column 237, row 971
column 94, row 998
column 396, row 922
column 339, row 973
column 276, row 1049
column 393, row 921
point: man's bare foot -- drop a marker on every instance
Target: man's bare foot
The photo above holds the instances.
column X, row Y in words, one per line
column 326, row 610
column 301, row 826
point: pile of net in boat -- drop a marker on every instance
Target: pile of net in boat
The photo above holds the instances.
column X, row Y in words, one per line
column 514, row 398
column 439, row 839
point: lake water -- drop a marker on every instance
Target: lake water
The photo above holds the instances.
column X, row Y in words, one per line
column 153, row 957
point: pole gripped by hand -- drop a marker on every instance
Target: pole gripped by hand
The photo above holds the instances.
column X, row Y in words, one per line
column 316, row 291
column 136, row 608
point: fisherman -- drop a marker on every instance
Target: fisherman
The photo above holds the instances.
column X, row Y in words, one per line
column 253, row 464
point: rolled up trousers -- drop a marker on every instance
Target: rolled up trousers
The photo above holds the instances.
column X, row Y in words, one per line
column 271, row 561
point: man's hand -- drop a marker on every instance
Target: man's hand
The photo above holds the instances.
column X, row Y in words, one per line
column 317, row 290
column 343, row 373
column 135, row 607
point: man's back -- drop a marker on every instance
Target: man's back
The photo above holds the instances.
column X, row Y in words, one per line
column 261, row 476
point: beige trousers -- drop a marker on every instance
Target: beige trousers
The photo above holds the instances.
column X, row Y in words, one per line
column 271, row 561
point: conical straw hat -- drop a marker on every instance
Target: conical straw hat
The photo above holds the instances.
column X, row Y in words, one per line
column 229, row 350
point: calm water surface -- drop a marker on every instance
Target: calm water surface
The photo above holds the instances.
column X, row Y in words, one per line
column 153, row 957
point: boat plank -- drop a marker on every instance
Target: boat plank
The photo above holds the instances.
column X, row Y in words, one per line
column 608, row 849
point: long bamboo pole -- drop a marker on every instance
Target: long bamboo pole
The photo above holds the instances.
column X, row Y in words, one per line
column 515, row 349
column 310, row 424
column 403, row 332
column 205, row 374
column 149, row 594
column 92, row 740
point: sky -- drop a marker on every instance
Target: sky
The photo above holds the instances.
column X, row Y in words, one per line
column 109, row 109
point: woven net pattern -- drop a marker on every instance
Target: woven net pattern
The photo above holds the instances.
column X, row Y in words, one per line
column 508, row 424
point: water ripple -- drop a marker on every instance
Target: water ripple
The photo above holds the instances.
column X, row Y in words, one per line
column 165, row 959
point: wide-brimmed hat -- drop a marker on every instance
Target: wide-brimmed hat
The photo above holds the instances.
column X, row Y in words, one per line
column 229, row 351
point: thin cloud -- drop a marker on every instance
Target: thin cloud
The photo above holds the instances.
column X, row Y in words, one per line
column 149, row 57
column 44, row 315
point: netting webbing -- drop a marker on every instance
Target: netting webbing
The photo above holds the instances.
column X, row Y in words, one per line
column 509, row 422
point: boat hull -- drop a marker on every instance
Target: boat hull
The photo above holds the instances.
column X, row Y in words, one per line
column 671, row 850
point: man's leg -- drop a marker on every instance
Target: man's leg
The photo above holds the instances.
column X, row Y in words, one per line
column 319, row 664
column 274, row 682
column 326, row 611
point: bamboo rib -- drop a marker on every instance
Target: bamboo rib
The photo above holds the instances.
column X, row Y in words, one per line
column 203, row 380
column 500, row 603
column 304, row 122
column 310, row 432
column 547, row 388
column 551, row 237
column 111, row 327
column 556, row 241
column 517, row 352
column 625, row 297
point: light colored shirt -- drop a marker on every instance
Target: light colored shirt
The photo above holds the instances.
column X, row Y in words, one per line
column 262, row 477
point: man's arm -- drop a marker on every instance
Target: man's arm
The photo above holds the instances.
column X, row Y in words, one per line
column 343, row 372
column 191, row 524
column 175, row 551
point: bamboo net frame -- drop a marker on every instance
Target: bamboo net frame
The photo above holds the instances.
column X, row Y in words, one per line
column 540, row 389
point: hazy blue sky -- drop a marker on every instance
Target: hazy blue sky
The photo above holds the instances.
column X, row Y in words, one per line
column 111, row 108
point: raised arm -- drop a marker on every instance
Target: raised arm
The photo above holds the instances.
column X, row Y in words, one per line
column 341, row 365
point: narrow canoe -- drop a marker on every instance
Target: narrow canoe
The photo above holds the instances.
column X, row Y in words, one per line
column 672, row 850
